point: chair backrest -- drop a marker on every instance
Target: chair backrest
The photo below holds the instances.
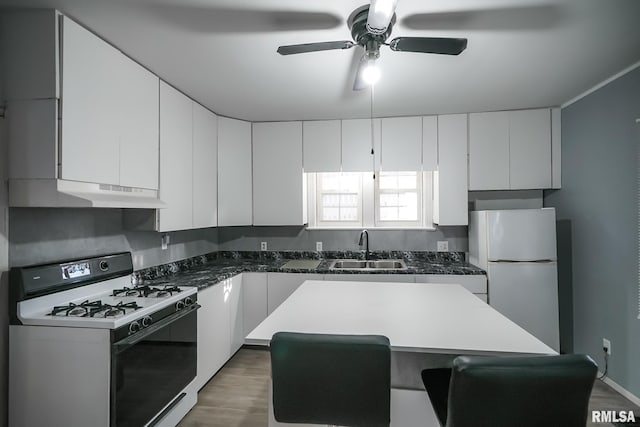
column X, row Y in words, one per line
column 331, row 379
column 520, row 391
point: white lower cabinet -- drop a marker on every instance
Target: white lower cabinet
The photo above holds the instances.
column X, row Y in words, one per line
column 254, row 294
column 214, row 341
column 235, row 290
column 220, row 326
column 475, row 283
column 281, row 285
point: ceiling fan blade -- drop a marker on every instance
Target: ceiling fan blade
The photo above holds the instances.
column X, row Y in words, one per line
column 441, row 45
column 505, row 18
column 358, row 81
column 314, row 47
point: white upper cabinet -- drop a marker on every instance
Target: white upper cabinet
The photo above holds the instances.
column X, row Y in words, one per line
column 90, row 149
column 322, row 145
column 277, row 174
column 530, row 149
column 139, row 138
column 512, row 150
column 430, row 143
column 234, row 172
column 104, row 104
column 109, row 130
column 176, row 160
column 489, row 151
column 450, row 181
column 356, row 145
column 401, row 144
column 205, row 167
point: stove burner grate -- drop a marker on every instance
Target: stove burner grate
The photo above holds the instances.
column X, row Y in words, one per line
column 94, row 309
column 147, row 291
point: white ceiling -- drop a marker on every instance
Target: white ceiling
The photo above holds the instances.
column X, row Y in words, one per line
column 521, row 53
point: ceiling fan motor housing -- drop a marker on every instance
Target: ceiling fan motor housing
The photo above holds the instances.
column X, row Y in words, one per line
column 357, row 22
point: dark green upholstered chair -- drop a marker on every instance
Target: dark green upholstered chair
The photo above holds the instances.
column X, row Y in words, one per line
column 331, row 379
column 512, row 391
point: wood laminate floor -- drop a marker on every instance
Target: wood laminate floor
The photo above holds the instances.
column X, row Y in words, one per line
column 237, row 395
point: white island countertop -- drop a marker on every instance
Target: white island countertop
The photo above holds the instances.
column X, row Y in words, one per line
column 416, row 317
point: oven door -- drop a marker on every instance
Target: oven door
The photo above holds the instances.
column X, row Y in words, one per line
column 150, row 369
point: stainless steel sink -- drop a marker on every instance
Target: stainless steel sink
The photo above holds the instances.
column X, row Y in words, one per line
column 371, row 265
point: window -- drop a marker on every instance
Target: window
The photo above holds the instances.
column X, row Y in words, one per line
column 399, row 199
column 339, row 199
column 354, row 200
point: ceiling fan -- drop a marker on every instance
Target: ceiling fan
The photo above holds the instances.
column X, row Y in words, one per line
column 370, row 27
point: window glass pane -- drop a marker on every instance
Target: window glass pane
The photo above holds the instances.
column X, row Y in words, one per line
column 348, row 200
column 388, row 181
column 348, row 214
column 388, row 199
column 330, row 214
column 388, row 214
column 407, row 181
column 330, row 200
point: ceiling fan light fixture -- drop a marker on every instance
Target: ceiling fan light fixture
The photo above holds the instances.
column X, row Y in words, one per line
column 371, row 72
column 380, row 14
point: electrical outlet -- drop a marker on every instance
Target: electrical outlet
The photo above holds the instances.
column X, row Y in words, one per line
column 318, row 246
column 165, row 241
column 606, row 344
column 263, row 246
column 443, row 246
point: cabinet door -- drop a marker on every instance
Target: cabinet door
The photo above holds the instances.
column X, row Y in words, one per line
column 489, row 151
column 401, row 144
column 254, row 292
column 277, row 173
column 90, row 105
column 213, row 332
column 176, row 145
column 322, row 145
column 430, row 143
column 234, row 172
column 281, row 285
column 450, row 182
column 356, row 145
column 205, row 167
column 139, row 125
column 530, row 149
column 236, row 313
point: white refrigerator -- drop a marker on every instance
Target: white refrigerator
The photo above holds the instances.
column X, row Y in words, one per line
column 517, row 249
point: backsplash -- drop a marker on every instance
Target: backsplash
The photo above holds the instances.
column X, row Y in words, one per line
column 40, row 235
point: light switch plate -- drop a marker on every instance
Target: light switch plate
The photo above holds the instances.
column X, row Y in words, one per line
column 263, row 246
column 443, row 246
column 318, row 246
column 165, row 241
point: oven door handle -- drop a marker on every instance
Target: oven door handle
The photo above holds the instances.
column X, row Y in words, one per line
column 143, row 333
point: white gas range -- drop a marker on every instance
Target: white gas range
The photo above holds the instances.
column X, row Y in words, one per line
column 89, row 348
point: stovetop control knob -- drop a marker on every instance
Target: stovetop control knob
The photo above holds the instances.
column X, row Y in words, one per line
column 179, row 305
column 146, row 321
column 188, row 301
column 134, row 327
column 104, row 265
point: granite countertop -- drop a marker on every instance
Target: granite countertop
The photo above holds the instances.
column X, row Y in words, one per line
column 207, row 270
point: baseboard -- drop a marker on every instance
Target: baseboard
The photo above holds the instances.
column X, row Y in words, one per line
column 624, row 392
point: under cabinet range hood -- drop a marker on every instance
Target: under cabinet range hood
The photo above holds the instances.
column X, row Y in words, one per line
column 59, row 193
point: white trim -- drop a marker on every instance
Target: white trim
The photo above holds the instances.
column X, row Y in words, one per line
column 601, row 84
column 617, row 387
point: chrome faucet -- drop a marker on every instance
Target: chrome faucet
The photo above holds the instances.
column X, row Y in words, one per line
column 363, row 234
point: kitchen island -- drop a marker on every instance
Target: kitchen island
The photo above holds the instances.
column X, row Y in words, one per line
column 427, row 325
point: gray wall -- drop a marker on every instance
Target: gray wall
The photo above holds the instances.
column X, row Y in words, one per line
column 39, row 235
column 298, row 238
column 597, row 208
